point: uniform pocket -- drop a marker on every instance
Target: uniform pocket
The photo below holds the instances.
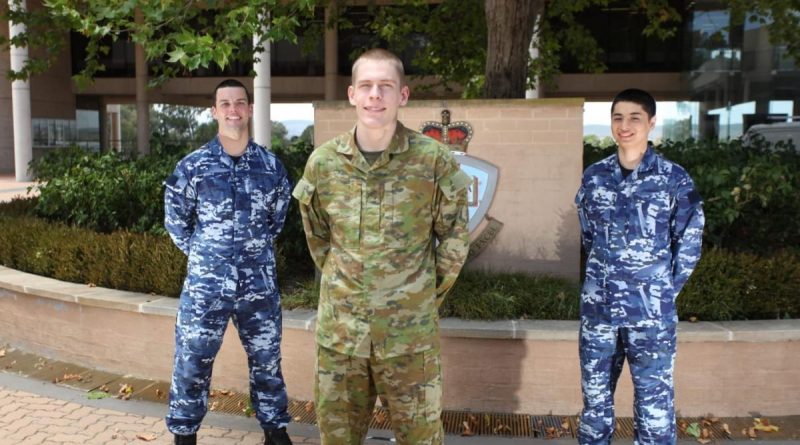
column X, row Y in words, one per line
column 406, row 219
column 343, row 206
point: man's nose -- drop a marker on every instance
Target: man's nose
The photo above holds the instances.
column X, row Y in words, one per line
column 375, row 92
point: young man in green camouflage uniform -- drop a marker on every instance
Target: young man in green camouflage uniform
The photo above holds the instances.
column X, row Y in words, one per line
column 385, row 214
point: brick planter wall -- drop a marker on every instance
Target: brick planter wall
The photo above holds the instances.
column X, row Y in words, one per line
column 531, row 367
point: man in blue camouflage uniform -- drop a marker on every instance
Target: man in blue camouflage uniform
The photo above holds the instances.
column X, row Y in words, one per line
column 642, row 225
column 225, row 204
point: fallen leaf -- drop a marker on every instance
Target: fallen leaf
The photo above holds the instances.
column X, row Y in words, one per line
column 466, row 431
column 500, row 428
column 159, row 393
column 705, row 434
column 146, row 437
column 125, row 391
column 214, row 406
column 225, row 392
column 727, row 430
column 704, row 441
column 552, row 432
column 750, row 432
column 692, row 319
column 309, row 407
column 487, row 420
column 761, row 424
column 565, row 423
column 380, row 417
column 2, row 352
column 91, row 285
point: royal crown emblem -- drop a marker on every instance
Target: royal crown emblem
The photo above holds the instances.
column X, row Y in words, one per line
column 456, row 135
column 484, row 176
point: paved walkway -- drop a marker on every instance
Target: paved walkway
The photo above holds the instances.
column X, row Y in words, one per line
column 37, row 412
column 10, row 188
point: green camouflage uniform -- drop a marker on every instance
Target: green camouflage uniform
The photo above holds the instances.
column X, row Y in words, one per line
column 390, row 239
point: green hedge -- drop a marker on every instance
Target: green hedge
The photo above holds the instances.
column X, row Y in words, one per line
column 119, row 260
column 749, row 191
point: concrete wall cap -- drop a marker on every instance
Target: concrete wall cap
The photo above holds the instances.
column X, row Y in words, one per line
column 305, row 319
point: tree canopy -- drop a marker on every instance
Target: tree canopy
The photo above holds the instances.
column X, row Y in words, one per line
column 176, row 34
column 480, row 45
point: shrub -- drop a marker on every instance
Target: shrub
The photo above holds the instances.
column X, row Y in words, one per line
column 119, row 260
column 111, row 191
column 749, row 192
column 742, row 286
column 103, row 192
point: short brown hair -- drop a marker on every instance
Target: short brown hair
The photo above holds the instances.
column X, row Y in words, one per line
column 381, row 54
column 232, row 83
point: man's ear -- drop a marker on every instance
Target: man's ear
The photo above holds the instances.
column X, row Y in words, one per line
column 652, row 123
column 405, row 92
column 351, row 95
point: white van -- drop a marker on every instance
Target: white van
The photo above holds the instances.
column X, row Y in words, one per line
column 772, row 133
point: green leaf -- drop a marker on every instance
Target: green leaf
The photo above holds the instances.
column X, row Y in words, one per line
column 694, row 430
column 176, row 55
column 96, row 395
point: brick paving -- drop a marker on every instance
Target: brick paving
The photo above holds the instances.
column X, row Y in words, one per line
column 27, row 418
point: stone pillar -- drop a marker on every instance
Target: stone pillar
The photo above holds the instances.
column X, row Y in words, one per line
column 21, row 103
column 115, row 127
column 142, row 106
column 262, row 95
column 102, row 117
column 331, row 54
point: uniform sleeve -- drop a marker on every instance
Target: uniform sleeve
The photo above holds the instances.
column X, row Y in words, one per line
column 586, row 233
column 315, row 221
column 450, row 227
column 280, row 204
column 686, row 230
column 179, row 208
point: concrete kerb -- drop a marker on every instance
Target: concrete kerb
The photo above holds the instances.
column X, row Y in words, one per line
column 304, row 319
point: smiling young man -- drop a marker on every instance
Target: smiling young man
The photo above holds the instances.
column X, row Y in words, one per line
column 224, row 206
column 385, row 215
column 642, row 226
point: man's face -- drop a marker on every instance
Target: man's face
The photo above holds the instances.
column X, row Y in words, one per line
column 630, row 125
column 377, row 93
column 231, row 109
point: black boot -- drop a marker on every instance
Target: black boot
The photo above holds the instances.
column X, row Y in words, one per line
column 186, row 440
column 276, row 437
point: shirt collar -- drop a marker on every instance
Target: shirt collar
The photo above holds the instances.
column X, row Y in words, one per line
column 398, row 144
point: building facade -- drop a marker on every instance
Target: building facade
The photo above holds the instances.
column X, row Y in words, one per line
column 722, row 78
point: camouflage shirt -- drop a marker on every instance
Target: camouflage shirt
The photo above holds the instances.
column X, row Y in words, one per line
column 642, row 235
column 218, row 211
column 390, row 240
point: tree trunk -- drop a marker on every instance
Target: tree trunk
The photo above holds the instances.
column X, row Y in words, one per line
column 509, row 30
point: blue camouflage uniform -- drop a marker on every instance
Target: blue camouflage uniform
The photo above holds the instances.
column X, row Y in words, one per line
column 642, row 235
column 225, row 216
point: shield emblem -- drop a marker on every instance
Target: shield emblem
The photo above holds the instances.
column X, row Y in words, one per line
column 484, row 183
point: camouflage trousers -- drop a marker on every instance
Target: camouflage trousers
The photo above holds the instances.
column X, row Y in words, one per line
column 346, row 389
column 650, row 352
column 208, row 301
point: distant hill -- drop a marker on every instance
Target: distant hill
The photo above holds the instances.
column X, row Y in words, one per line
column 296, row 127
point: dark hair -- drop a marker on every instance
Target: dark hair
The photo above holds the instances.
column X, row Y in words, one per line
column 232, row 83
column 639, row 97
